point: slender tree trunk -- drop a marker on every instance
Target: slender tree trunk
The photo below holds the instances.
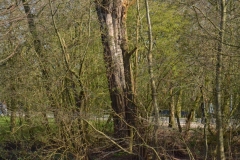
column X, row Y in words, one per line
column 178, row 105
column 152, row 81
column 205, row 121
column 130, row 108
column 150, row 65
column 13, row 114
column 178, row 110
column 136, row 53
column 219, row 122
column 37, row 45
column 172, row 122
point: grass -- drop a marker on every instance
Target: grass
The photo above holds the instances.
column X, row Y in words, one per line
column 104, row 126
column 30, row 138
column 4, row 125
column 36, row 126
column 4, row 120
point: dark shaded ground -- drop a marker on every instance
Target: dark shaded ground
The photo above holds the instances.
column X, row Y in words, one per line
column 181, row 146
column 116, row 157
column 172, row 145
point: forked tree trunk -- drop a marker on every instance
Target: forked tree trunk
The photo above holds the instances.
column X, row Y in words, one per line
column 112, row 17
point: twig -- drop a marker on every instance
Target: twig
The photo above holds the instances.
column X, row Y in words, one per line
column 10, row 56
column 109, row 138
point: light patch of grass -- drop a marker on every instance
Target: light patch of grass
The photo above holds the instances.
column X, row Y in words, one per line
column 106, row 127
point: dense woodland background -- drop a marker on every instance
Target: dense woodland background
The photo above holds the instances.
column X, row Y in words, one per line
column 65, row 64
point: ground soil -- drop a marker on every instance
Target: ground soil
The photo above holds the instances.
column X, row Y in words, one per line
column 181, row 146
column 172, row 145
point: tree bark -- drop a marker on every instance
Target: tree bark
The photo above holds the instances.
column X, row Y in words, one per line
column 150, row 65
column 152, row 81
column 219, row 123
column 112, row 17
column 178, row 109
column 172, row 122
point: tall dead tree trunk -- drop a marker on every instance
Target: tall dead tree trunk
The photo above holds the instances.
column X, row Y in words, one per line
column 112, row 17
